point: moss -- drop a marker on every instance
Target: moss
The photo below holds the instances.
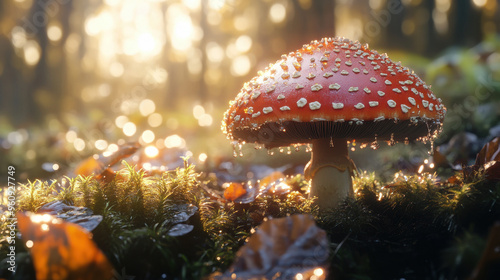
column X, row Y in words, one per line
column 413, row 227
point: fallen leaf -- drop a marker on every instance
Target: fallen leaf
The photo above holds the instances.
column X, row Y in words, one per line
column 182, row 213
column 489, row 152
column 62, row 250
column 271, row 178
column 180, row 229
column 492, row 170
column 89, row 166
column 81, row 216
column 281, row 249
column 233, row 191
column 99, row 165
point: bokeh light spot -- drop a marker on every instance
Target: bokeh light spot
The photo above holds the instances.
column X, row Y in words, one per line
column 148, row 136
column 155, row 120
column 151, row 151
column 129, row 129
column 240, row 66
column 175, row 141
column 147, row 107
column 79, row 144
column 101, row 144
column 277, row 13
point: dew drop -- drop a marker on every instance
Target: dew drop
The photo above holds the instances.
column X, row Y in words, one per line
column 281, row 150
column 431, row 152
column 270, row 152
column 331, row 142
column 353, row 149
column 297, row 148
column 375, row 145
column 391, row 141
column 407, row 141
column 282, row 129
column 288, row 150
column 308, row 148
column 240, row 148
column 235, row 145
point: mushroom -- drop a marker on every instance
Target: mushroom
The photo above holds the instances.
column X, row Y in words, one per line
column 326, row 94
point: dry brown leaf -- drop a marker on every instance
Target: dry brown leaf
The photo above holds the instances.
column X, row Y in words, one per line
column 62, row 250
column 100, row 165
column 281, row 249
column 489, row 152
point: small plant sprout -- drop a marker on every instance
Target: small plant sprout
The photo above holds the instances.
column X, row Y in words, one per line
column 328, row 93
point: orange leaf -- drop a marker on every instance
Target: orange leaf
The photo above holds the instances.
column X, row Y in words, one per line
column 271, row 178
column 234, row 191
column 62, row 250
column 89, row 166
column 99, row 164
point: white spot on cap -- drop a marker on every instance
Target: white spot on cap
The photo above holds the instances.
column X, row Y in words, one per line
column 355, row 70
column 327, row 74
column 405, row 108
column 254, row 115
column 316, row 87
column 373, row 103
column 255, row 94
column 299, row 86
column 387, row 82
column 359, row 106
column 314, row 105
column 337, row 105
column 431, row 105
column 281, row 96
column 425, row 103
column 367, row 90
column 334, row 86
column 301, row 102
column 344, row 72
column 296, row 74
column 379, row 119
column 285, row 108
column 391, row 103
column 412, row 101
column 351, row 89
column 272, row 88
column 380, row 93
column 373, row 79
column 237, row 117
column 267, row 110
column 311, row 76
column 396, row 90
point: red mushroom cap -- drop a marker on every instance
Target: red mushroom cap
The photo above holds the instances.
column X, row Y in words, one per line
column 333, row 88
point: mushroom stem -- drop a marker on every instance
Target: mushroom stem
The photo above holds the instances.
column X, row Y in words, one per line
column 330, row 171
